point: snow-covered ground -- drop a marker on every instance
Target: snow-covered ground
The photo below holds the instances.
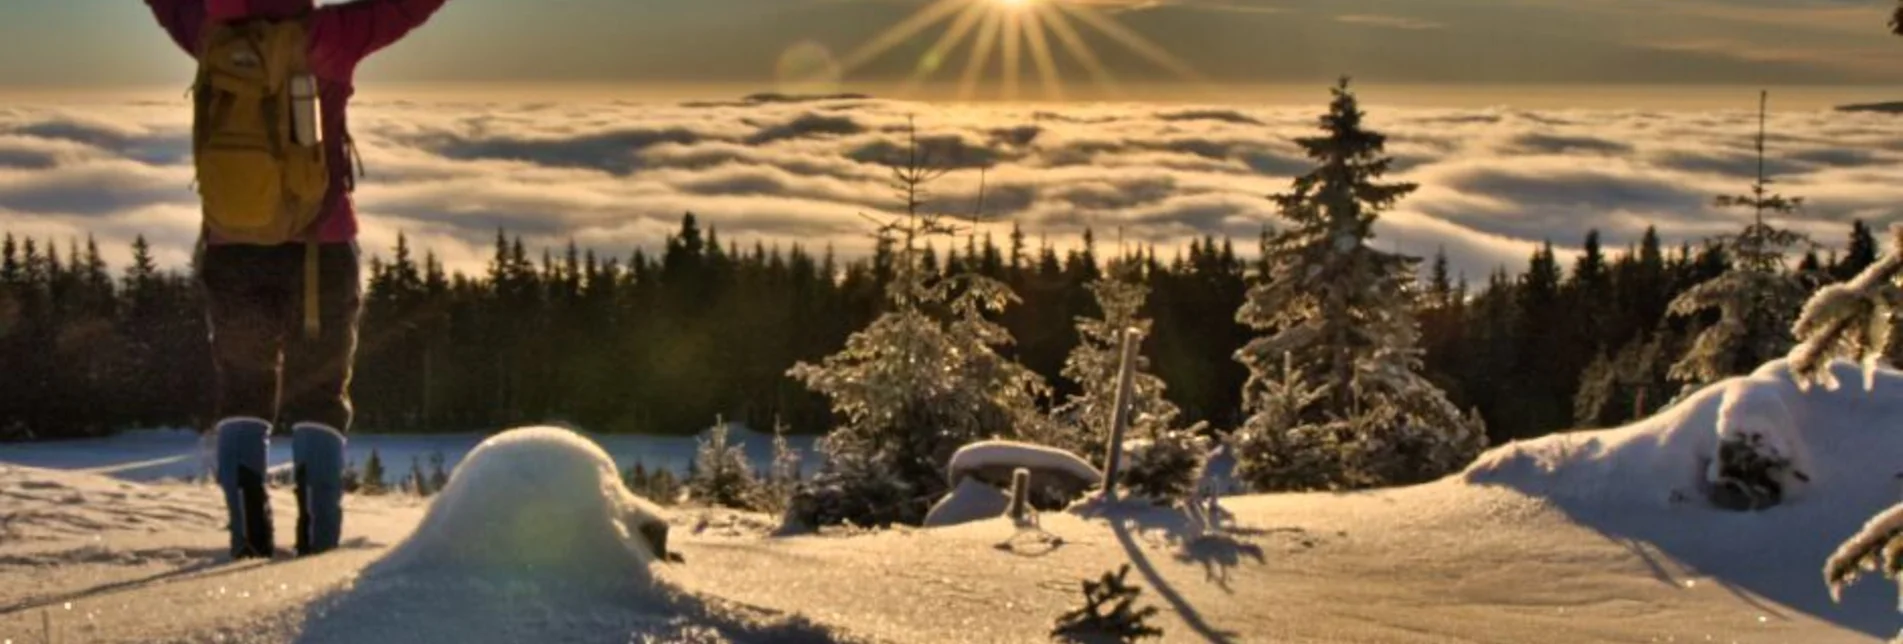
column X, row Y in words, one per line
column 1586, row 537
column 156, row 455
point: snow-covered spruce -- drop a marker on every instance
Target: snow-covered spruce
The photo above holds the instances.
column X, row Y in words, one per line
column 922, row 380
column 1339, row 312
column 1094, row 365
column 1849, row 320
column 1853, row 320
column 1756, row 298
column 542, row 503
column 1878, row 547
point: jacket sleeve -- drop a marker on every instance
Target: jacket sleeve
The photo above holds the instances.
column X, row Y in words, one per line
column 345, row 34
column 183, row 20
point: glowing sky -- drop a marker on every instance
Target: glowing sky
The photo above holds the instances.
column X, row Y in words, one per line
column 1743, row 42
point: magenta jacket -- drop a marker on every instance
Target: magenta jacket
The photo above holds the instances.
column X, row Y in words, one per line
column 341, row 36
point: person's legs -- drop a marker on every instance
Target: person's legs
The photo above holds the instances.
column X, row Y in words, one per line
column 317, row 373
column 244, row 311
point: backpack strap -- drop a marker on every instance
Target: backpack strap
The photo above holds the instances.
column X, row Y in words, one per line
column 313, row 325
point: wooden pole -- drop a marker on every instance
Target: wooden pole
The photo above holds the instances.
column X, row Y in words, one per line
column 1120, row 415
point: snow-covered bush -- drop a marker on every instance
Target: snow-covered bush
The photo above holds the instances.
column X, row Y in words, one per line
column 721, row 474
column 1760, row 460
column 1166, row 468
column 853, row 488
column 917, row 383
column 1338, row 311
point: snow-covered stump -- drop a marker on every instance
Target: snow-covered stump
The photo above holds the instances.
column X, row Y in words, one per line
column 541, row 502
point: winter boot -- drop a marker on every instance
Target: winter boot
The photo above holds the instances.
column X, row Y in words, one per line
column 242, row 447
column 318, row 457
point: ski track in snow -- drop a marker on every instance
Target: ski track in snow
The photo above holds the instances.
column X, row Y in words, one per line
column 1570, row 538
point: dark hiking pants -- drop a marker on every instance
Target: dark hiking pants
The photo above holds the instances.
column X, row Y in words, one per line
column 266, row 365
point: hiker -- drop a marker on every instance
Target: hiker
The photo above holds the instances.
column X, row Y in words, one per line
column 278, row 256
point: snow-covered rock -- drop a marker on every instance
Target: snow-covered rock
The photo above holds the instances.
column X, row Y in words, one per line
column 970, row 501
column 542, row 501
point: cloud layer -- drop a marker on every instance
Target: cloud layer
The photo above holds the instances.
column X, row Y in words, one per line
column 614, row 176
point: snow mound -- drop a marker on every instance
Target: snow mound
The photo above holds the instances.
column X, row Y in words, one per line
column 539, row 501
column 1670, row 458
column 1652, row 482
column 970, row 501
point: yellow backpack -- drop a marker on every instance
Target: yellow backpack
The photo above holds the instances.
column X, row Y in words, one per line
column 259, row 182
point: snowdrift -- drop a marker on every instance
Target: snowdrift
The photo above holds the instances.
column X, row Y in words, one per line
column 1650, row 482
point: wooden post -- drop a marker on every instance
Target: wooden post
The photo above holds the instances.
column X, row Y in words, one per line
column 1120, row 415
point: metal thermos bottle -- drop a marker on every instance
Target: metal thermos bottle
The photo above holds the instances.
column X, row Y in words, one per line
column 306, row 128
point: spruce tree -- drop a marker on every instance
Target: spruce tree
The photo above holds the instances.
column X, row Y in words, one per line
column 1094, row 364
column 418, row 483
column 1859, row 254
column 922, row 380
column 1757, row 298
column 1339, row 310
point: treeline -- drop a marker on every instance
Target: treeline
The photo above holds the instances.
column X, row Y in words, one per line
column 662, row 343
column 84, row 351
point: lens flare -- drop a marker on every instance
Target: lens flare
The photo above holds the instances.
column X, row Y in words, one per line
column 1008, row 30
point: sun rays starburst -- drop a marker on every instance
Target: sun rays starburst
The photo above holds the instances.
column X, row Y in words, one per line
column 1015, row 32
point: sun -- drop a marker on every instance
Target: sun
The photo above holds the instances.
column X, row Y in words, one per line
column 1009, row 29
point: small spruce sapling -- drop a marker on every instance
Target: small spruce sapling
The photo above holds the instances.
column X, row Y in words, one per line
column 721, row 475
column 785, row 473
column 1164, row 469
column 372, row 482
column 439, row 475
column 1109, row 613
column 418, row 483
column 663, row 488
column 636, row 478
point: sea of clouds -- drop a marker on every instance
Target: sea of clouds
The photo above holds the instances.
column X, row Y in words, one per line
column 616, row 175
